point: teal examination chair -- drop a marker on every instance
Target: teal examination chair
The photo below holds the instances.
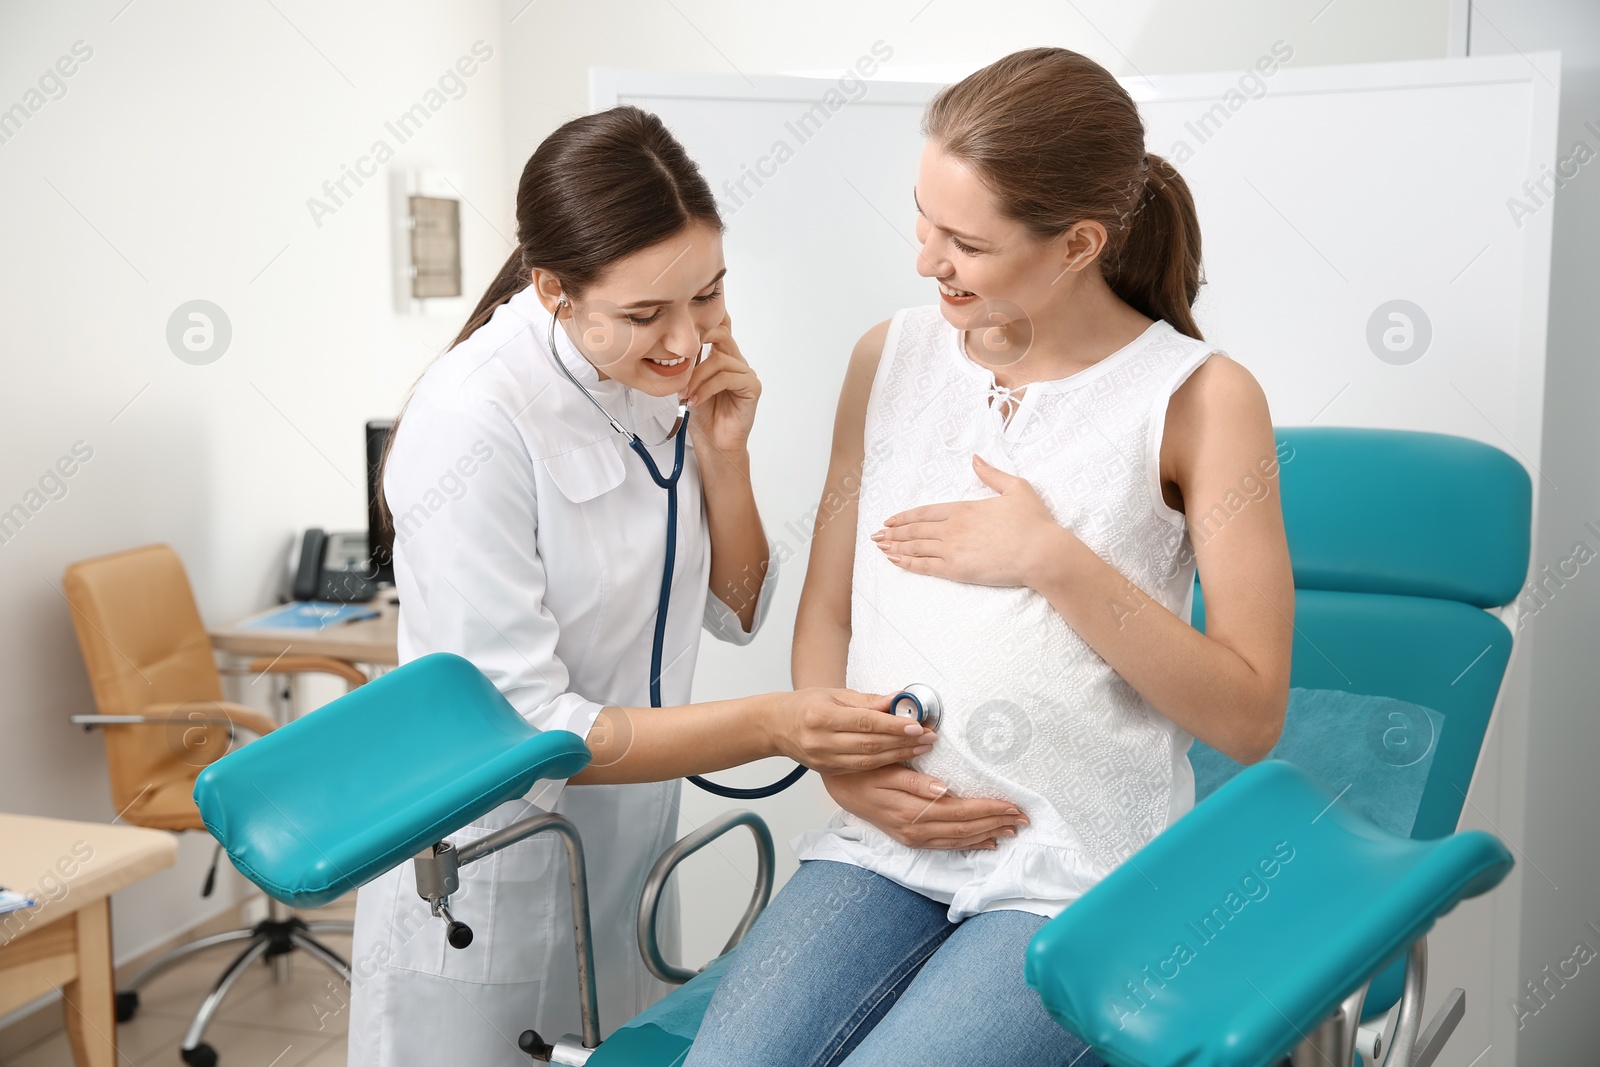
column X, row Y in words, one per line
column 1282, row 921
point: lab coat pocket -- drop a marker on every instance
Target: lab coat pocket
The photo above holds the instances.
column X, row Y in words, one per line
column 584, row 472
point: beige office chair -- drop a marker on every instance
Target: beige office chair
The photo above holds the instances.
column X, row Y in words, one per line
column 159, row 693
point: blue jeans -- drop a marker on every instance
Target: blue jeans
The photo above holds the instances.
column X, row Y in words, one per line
column 846, row 967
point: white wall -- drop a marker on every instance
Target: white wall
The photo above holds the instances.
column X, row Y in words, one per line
column 178, row 165
column 1549, row 796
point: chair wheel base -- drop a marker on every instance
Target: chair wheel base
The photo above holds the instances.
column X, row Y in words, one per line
column 127, row 1004
column 202, row 1055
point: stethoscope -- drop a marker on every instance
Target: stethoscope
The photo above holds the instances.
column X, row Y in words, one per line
column 670, row 484
column 916, row 701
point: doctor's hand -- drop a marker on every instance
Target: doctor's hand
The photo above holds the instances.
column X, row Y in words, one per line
column 722, row 393
column 915, row 810
column 833, row 730
column 1006, row 540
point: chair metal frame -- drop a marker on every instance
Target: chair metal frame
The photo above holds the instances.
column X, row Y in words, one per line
column 437, row 878
column 1341, row 1035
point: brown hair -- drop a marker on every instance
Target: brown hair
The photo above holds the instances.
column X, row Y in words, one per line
column 598, row 189
column 1059, row 141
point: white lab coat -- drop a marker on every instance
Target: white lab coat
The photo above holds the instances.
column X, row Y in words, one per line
column 530, row 539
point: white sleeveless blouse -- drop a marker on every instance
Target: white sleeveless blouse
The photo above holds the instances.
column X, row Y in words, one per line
column 1031, row 713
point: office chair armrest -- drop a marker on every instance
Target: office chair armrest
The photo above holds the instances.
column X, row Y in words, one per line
column 308, row 664
column 216, row 712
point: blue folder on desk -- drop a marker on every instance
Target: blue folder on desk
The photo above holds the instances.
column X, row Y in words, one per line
column 310, row 615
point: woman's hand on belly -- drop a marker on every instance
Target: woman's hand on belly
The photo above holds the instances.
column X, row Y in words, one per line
column 915, row 809
column 1002, row 541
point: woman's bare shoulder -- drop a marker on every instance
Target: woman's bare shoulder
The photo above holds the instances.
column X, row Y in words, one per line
column 864, row 359
column 1220, row 405
column 869, row 349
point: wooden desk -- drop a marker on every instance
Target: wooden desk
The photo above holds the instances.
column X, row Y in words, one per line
column 65, row 943
column 370, row 641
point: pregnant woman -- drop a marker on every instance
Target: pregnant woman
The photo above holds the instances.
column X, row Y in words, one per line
column 1044, row 458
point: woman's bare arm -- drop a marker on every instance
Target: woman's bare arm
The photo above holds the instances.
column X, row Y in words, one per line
column 822, row 627
column 1228, row 686
column 825, row 729
column 909, row 806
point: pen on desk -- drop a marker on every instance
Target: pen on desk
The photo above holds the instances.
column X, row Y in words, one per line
column 365, row 617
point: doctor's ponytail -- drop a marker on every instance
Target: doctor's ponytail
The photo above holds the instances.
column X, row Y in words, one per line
column 598, row 189
column 1058, row 140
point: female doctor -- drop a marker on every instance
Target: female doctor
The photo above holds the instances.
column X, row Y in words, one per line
column 530, row 539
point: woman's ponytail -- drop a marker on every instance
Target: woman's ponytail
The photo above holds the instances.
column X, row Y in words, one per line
column 1156, row 267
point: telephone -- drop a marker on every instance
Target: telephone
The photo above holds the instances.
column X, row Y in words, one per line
column 334, row 567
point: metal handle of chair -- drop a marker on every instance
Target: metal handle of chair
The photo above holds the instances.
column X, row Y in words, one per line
column 436, row 879
column 90, row 721
column 1403, row 1046
column 656, row 883
column 1439, row 1030
column 1369, row 1042
column 1407, row 1048
column 1335, row 1039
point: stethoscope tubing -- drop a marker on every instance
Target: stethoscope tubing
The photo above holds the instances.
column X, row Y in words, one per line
column 664, row 600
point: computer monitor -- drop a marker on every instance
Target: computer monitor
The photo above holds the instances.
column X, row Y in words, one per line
column 380, row 538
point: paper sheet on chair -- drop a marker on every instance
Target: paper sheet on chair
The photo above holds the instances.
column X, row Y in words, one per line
column 1373, row 752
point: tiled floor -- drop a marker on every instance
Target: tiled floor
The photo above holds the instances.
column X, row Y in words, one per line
column 261, row 1024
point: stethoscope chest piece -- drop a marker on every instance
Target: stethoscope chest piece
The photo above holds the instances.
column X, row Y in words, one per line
column 919, row 702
